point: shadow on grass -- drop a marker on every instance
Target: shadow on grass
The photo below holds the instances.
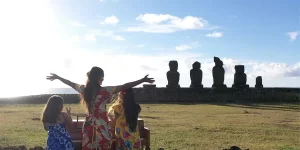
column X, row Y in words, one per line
column 295, row 107
column 269, row 106
column 150, row 117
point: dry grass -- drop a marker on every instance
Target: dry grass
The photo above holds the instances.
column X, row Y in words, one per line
column 201, row 126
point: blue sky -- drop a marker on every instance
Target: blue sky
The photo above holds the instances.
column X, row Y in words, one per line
column 250, row 28
column 131, row 38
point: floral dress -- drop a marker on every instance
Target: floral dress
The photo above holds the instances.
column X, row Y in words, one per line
column 97, row 130
column 125, row 138
column 59, row 138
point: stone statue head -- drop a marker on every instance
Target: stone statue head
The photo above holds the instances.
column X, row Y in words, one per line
column 258, row 80
column 196, row 65
column 239, row 69
column 173, row 65
column 218, row 62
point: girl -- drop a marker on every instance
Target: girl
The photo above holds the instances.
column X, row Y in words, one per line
column 96, row 132
column 124, row 116
column 57, row 123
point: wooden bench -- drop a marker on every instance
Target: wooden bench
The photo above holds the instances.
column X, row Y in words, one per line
column 76, row 134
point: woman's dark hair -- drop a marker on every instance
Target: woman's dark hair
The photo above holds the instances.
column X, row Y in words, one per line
column 132, row 109
column 92, row 87
column 52, row 109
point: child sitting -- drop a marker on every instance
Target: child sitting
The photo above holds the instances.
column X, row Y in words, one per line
column 124, row 117
column 57, row 123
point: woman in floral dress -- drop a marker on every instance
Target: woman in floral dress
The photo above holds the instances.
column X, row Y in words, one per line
column 97, row 130
column 58, row 124
column 124, row 115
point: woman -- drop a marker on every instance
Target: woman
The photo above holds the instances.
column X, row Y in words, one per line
column 97, row 131
column 124, row 115
column 58, row 124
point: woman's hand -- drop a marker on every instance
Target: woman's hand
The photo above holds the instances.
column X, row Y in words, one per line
column 65, row 81
column 132, row 84
column 52, row 77
column 68, row 110
column 149, row 80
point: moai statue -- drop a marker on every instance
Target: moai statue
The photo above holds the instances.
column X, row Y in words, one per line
column 218, row 74
column 196, row 76
column 259, row 82
column 240, row 78
column 173, row 75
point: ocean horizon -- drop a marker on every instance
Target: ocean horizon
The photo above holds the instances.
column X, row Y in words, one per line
column 42, row 91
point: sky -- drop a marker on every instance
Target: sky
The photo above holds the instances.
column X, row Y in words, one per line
column 132, row 38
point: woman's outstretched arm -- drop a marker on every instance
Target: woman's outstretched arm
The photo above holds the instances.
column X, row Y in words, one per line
column 65, row 81
column 133, row 84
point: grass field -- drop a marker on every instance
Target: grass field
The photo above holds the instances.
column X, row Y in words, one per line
column 200, row 126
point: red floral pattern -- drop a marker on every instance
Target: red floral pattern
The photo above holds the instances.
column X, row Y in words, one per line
column 97, row 130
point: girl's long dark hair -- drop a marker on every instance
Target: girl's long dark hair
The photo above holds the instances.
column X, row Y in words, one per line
column 52, row 109
column 132, row 109
column 92, row 87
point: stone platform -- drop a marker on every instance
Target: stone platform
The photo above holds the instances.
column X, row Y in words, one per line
column 186, row 95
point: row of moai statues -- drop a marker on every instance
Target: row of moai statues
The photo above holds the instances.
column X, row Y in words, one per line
column 218, row 72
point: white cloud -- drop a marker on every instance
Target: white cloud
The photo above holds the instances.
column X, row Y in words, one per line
column 215, row 34
column 113, row 20
column 75, row 24
column 108, row 34
column 155, row 18
column 118, row 38
column 140, row 46
column 276, row 69
column 90, row 37
column 293, row 35
column 183, row 47
column 165, row 23
column 92, row 34
column 101, row 0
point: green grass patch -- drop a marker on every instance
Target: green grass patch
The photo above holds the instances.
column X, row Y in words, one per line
column 200, row 126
